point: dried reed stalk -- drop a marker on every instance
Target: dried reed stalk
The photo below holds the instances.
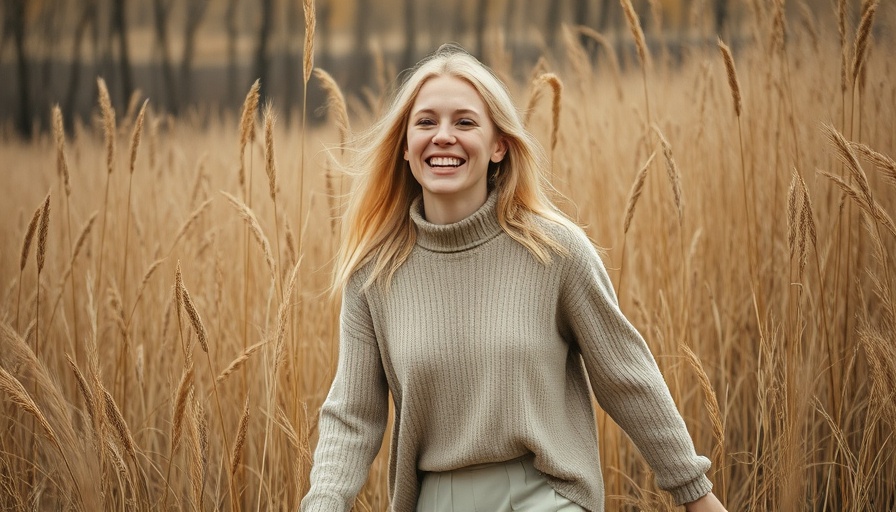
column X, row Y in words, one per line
column 809, row 22
column 29, row 234
column 84, row 388
column 240, row 360
column 844, row 57
column 109, row 130
column 123, row 362
column 792, row 213
column 633, row 196
column 846, row 154
column 335, row 103
column 193, row 315
column 779, row 26
column 634, row 25
column 733, row 82
column 20, row 399
column 108, row 123
column 143, row 282
column 42, row 232
column 279, row 356
column 609, row 51
column 270, row 119
column 556, row 86
column 120, row 425
column 672, row 172
column 61, row 161
column 181, row 399
column 635, row 193
column 135, row 136
column 202, row 335
column 247, row 132
column 863, row 34
column 26, row 250
column 189, row 222
column 195, row 437
column 308, row 51
column 282, row 318
column 255, row 228
column 885, row 164
column 752, row 244
column 291, row 245
column 873, row 209
column 711, row 402
column 237, row 450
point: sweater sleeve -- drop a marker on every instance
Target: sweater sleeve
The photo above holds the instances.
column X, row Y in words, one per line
column 625, row 378
column 353, row 417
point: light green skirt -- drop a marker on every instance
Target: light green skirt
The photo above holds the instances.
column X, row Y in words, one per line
column 510, row 486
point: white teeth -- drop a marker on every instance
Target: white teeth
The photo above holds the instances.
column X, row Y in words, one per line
column 443, row 161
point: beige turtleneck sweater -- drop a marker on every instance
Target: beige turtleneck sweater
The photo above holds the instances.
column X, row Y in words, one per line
column 485, row 351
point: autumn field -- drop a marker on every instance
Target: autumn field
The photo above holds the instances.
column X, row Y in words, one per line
column 167, row 335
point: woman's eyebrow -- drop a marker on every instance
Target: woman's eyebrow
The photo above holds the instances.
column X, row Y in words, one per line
column 461, row 111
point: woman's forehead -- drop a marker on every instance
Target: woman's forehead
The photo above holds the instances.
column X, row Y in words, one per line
column 448, row 91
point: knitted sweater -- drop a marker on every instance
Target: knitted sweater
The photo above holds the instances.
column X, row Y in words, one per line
column 485, row 352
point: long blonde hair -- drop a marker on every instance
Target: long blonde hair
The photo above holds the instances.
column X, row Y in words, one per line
column 377, row 226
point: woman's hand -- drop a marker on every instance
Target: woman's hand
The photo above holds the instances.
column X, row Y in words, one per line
column 708, row 503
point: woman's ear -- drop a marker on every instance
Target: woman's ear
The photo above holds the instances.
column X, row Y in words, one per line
column 405, row 153
column 500, row 150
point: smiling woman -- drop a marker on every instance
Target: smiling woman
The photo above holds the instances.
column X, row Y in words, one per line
column 451, row 143
column 487, row 315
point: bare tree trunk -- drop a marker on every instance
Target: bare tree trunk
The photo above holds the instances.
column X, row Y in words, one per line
column 261, row 51
column 6, row 29
column 232, row 34
column 582, row 12
column 605, row 16
column 161, row 10
column 324, row 32
column 292, row 67
column 120, row 28
column 410, row 32
column 720, row 9
column 52, row 24
column 552, row 23
column 481, row 22
column 16, row 13
column 361, row 55
column 195, row 12
column 88, row 17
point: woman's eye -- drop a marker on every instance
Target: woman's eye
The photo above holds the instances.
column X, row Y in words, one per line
column 466, row 122
column 425, row 122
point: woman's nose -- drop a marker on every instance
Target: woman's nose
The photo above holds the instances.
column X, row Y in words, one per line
column 443, row 136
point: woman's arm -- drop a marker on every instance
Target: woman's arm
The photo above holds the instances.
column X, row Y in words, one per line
column 708, row 503
column 353, row 418
column 624, row 376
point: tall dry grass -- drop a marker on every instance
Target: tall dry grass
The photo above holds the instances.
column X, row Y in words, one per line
column 773, row 316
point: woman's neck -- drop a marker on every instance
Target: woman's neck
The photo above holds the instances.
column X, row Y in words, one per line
column 445, row 209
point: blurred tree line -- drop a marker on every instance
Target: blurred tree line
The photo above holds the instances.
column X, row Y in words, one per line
column 189, row 53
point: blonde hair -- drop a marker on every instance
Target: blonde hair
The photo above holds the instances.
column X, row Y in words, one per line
column 377, row 227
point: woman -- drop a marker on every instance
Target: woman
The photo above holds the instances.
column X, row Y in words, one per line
column 479, row 306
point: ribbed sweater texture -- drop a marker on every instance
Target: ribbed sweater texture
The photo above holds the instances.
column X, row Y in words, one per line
column 489, row 354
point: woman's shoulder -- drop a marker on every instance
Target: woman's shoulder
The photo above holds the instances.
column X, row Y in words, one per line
column 568, row 235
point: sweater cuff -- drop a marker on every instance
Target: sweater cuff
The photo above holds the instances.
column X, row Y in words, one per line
column 693, row 490
column 322, row 503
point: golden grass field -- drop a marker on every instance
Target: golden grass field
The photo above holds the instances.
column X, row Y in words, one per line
column 166, row 338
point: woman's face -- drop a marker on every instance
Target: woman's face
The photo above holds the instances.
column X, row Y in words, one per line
column 450, row 141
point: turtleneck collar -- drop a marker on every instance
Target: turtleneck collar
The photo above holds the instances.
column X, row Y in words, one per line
column 463, row 235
